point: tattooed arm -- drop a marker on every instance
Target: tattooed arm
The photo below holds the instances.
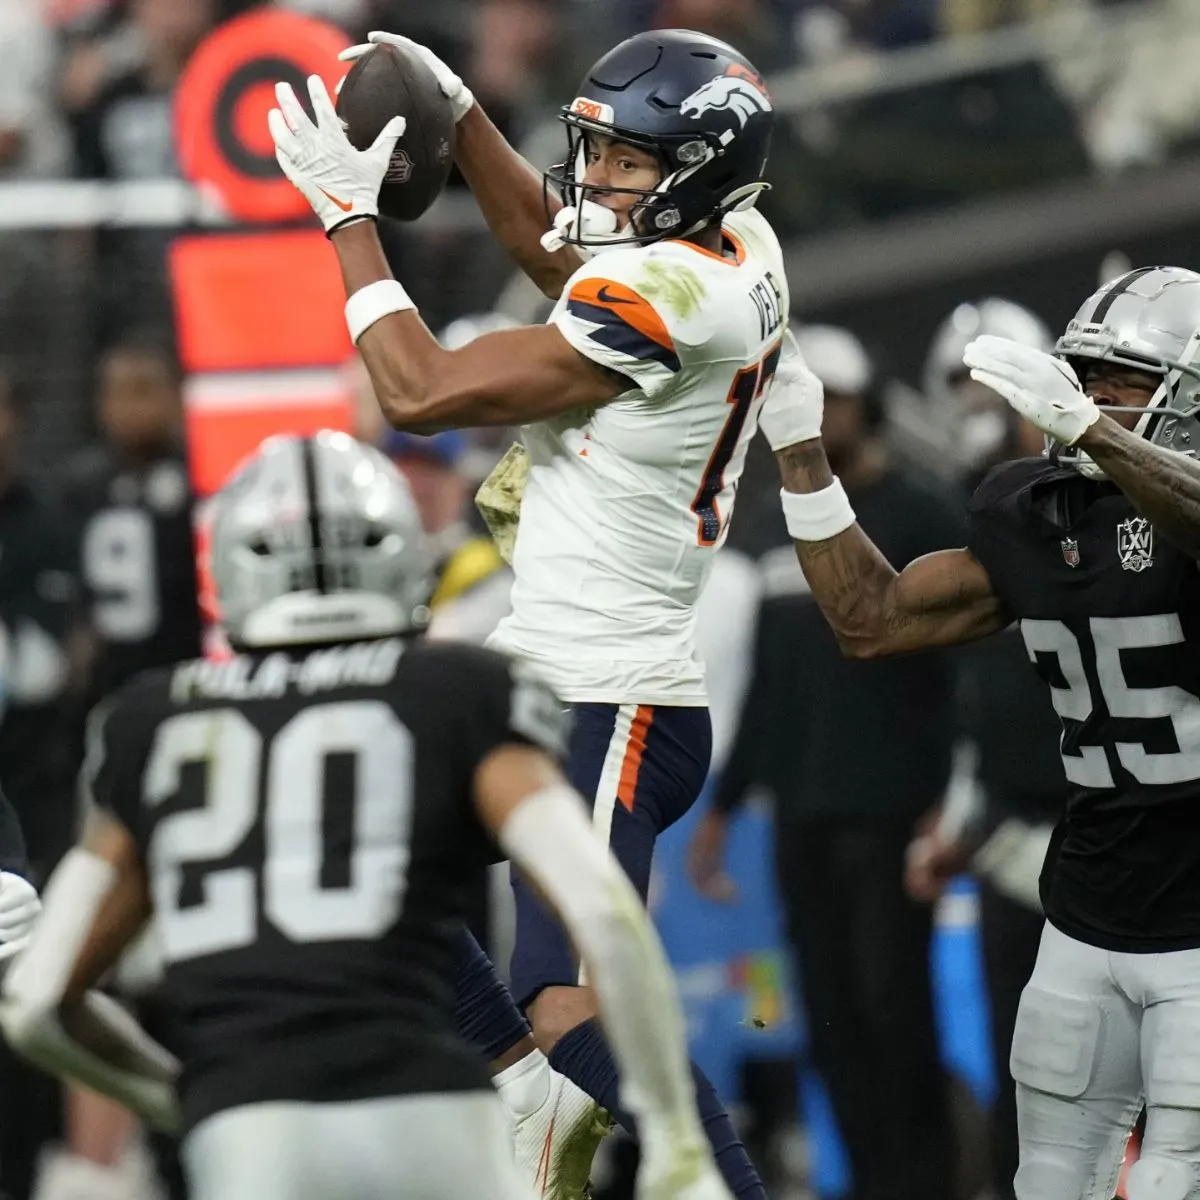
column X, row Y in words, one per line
column 874, row 610
column 1163, row 485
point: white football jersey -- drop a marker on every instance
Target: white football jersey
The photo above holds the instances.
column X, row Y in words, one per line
column 626, row 504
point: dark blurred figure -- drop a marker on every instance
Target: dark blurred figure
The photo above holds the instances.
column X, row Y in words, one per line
column 133, row 501
column 1009, row 722
column 853, row 753
column 39, row 748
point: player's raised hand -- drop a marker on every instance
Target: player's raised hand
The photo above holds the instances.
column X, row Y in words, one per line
column 1041, row 388
column 341, row 183
column 453, row 88
column 795, row 402
column 19, row 910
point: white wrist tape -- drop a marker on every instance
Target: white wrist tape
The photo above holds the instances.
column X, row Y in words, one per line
column 815, row 516
column 372, row 302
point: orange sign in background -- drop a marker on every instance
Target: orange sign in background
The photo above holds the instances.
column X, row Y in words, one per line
column 259, row 323
column 223, row 98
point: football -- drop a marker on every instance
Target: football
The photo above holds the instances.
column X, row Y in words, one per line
column 387, row 82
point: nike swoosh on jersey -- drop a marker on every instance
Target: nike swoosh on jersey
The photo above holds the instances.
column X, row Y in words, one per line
column 624, row 321
column 606, row 297
column 344, row 205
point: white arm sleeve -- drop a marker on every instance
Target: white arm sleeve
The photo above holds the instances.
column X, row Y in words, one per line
column 123, row 1062
column 551, row 839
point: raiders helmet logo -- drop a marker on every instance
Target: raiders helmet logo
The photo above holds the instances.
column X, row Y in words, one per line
column 735, row 92
column 1135, row 543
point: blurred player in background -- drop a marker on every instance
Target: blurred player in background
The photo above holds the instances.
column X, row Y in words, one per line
column 639, row 396
column 853, row 755
column 133, row 500
column 307, row 822
column 1093, row 549
column 1015, row 787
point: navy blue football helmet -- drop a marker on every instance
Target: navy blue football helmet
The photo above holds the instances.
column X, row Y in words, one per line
column 692, row 100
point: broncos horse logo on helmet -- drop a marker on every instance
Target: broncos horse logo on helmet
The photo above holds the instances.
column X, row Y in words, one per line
column 727, row 93
column 698, row 105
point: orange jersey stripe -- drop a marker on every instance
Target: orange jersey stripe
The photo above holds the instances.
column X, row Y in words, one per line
column 635, row 750
column 625, row 304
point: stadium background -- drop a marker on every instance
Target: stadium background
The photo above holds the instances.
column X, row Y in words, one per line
column 930, row 152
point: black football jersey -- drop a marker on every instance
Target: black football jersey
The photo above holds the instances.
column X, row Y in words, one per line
column 308, row 829
column 1110, row 615
column 138, row 562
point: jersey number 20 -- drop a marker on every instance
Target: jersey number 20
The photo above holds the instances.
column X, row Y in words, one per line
column 748, row 386
column 292, row 816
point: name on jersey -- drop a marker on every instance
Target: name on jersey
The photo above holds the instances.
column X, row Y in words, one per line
column 768, row 301
column 362, row 664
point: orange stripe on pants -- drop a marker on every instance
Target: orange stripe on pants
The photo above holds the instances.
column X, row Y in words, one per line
column 635, row 750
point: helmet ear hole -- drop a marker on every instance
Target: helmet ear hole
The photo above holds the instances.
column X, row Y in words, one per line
column 259, row 546
column 374, row 538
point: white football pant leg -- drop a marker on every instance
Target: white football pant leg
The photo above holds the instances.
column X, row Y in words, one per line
column 426, row 1147
column 1075, row 1060
column 1169, row 987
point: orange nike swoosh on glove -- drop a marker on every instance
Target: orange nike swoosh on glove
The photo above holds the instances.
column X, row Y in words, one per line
column 342, row 204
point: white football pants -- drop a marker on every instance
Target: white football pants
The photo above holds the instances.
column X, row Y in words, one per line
column 1098, row 1034
column 443, row 1146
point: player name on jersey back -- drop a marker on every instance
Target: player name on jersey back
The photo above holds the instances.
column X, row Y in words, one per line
column 627, row 504
column 360, row 664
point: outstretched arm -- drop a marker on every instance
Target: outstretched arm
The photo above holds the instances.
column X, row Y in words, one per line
column 510, row 377
column 875, row 611
column 507, row 378
column 1163, row 485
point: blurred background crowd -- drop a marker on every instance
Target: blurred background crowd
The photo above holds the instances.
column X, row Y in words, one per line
column 941, row 168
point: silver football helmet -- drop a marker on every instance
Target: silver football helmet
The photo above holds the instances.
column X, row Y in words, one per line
column 317, row 539
column 1149, row 320
column 977, row 427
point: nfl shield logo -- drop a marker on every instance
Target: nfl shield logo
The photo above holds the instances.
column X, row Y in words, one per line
column 1135, row 543
column 1070, row 549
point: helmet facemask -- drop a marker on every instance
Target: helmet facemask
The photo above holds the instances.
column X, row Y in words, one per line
column 656, row 213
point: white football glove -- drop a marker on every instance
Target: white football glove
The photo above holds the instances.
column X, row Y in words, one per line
column 795, row 401
column 19, row 911
column 453, row 88
column 1041, row 388
column 341, row 183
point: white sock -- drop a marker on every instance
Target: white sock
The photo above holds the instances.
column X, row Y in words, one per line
column 525, row 1086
